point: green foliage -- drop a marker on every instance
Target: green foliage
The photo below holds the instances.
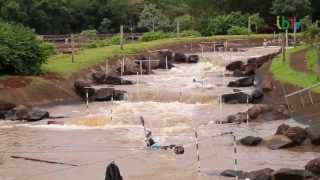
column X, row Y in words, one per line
column 312, row 59
column 89, row 34
column 221, row 24
column 312, row 33
column 190, row 33
column 48, row 48
column 151, row 36
column 291, row 7
column 153, row 19
column 105, row 26
column 20, row 50
column 237, row 30
column 257, row 21
column 115, row 40
column 306, row 22
column 185, row 21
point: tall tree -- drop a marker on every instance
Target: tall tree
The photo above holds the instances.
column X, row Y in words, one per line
column 291, row 7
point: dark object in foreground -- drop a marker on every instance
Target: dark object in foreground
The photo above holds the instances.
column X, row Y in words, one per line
column 113, row 172
column 42, row 161
column 251, row 141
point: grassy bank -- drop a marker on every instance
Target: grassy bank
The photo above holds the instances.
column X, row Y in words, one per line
column 284, row 72
column 312, row 57
column 62, row 65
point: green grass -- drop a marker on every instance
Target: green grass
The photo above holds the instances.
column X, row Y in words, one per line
column 312, row 58
column 62, row 65
column 282, row 71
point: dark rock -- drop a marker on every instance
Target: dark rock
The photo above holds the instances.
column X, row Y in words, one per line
column 263, row 174
column 243, row 82
column 99, row 77
column 249, row 70
column 236, row 65
column 278, row 142
column 37, row 115
column 178, row 150
column 119, row 95
column 255, row 111
column 237, row 118
column 282, row 129
column 235, row 98
column 251, row 141
column 2, row 114
column 238, row 73
column 115, row 80
column 131, row 68
column 314, row 134
column 314, row 166
column 180, row 57
column 81, row 88
column 193, row 59
column 289, row 174
column 163, row 56
column 233, row 173
column 297, row 134
column 17, row 113
column 252, row 61
column 6, row 106
column 257, row 96
column 103, row 94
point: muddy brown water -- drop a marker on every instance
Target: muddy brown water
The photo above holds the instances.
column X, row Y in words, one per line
column 172, row 106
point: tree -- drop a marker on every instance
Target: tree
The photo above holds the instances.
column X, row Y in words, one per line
column 291, row 7
column 152, row 18
column 105, row 26
column 21, row 53
column 257, row 21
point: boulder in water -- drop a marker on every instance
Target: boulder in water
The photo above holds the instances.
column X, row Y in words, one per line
column 237, row 118
column 297, row 134
column 236, row 98
column 82, row 87
column 243, row 82
column 289, row 174
column 193, row 58
column 282, row 129
column 278, row 142
column 233, row 173
column 103, row 94
column 236, row 65
column 180, row 58
column 262, row 174
column 314, row 134
column 251, row 141
column 313, row 166
column 37, row 115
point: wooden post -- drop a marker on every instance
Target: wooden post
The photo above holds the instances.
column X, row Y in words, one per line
column 72, row 48
column 149, row 64
column 287, row 39
column 121, row 37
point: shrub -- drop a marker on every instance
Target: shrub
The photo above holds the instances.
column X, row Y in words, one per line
column 185, row 21
column 48, row 48
column 237, row 30
column 151, row 36
column 89, row 34
column 21, row 52
column 115, row 40
column 190, row 33
column 221, row 24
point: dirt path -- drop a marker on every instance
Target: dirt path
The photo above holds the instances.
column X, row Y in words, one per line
column 298, row 61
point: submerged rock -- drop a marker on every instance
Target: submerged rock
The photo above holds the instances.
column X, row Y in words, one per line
column 235, row 98
column 282, row 129
column 313, row 166
column 251, row 141
column 243, row 82
column 236, row 65
column 233, row 173
column 297, row 134
column 180, row 57
column 193, row 58
column 263, row 174
column 103, row 94
column 37, row 115
column 278, row 142
column 314, row 134
column 81, row 88
column 289, row 174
